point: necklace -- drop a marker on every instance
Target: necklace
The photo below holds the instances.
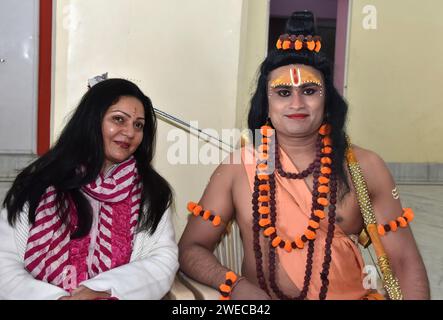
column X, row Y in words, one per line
column 265, row 212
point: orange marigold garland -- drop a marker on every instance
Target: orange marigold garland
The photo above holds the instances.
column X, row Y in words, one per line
column 323, row 159
column 264, row 212
column 402, row 221
column 196, row 210
column 299, row 42
column 225, row 288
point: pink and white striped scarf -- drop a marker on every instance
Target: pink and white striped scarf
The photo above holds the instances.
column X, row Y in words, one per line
column 53, row 257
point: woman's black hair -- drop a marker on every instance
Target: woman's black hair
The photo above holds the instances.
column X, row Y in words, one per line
column 302, row 23
column 77, row 158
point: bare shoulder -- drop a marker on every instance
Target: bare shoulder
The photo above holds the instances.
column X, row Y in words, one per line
column 368, row 158
column 225, row 176
column 374, row 168
column 229, row 168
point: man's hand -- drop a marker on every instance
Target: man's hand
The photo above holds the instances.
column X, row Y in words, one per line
column 246, row 290
column 84, row 293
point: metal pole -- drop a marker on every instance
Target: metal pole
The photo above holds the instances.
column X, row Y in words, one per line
column 185, row 124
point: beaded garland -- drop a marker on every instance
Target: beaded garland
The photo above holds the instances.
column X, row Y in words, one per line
column 265, row 213
column 299, row 42
column 226, row 288
column 197, row 210
column 402, row 221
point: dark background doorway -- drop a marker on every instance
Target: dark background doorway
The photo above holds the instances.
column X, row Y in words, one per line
column 325, row 12
column 331, row 18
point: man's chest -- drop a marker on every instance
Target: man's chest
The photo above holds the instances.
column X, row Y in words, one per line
column 348, row 216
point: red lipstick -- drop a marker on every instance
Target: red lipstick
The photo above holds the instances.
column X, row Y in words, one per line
column 123, row 145
column 297, row 116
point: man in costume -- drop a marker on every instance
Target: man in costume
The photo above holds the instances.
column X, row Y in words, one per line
column 304, row 198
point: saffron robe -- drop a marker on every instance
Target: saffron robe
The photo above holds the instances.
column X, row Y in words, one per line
column 293, row 203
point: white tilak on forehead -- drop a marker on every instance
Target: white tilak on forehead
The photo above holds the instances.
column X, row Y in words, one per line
column 291, row 73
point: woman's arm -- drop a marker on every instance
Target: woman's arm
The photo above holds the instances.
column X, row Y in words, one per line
column 15, row 282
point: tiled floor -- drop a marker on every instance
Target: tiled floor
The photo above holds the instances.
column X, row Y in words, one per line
column 427, row 202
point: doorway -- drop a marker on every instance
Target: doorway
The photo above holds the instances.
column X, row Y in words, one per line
column 331, row 20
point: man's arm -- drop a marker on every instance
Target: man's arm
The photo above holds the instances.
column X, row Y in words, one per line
column 200, row 237
column 400, row 246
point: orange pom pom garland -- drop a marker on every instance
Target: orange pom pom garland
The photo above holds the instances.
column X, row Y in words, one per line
column 265, row 215
column 197, row 210
column 393, row 225
column 226, row 288
column 263, row 196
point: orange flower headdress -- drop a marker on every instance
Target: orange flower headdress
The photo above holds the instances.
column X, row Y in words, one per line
column 299, row 42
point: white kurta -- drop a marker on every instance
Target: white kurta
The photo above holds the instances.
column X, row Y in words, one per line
column 149, row 274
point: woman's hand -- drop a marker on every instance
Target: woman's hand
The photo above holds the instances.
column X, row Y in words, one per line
column 84, row 293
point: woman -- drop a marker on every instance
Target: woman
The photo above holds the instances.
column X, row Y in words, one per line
column 83, row 221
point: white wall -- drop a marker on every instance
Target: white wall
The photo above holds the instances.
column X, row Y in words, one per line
column 394, row 75
column 185, row 55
